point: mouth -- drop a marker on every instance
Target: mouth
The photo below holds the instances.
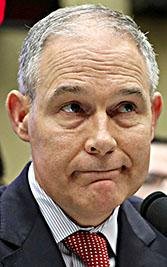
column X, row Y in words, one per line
column 99, row 176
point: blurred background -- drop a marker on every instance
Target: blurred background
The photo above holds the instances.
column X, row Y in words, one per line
column 19, row 16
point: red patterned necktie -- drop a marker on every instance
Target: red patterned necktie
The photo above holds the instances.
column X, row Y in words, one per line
column 90, row 247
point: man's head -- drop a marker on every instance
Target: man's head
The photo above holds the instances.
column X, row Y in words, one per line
column 71, row 21
column 88, row 108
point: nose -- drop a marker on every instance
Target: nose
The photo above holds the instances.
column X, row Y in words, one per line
column 101, row 141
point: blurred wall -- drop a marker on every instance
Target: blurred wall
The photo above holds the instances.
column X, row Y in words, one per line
column 122, row 5
column 16, row 152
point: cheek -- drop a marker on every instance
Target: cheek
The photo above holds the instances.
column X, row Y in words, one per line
column 55, row 147
column 137, row 146
column 138, row 139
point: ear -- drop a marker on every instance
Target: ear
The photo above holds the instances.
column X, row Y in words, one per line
column 157, row 104
column 18, row 110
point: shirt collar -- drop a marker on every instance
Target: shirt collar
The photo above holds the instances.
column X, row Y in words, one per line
column 60, row 224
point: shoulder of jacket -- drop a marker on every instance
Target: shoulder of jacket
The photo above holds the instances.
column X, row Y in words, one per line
column 2, row 189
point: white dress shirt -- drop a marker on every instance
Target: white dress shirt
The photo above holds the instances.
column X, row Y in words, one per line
column 62, row 226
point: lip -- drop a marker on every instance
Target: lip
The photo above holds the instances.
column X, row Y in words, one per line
column 95, row 176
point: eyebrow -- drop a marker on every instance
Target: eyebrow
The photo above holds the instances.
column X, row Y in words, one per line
column 74, row 89
column 133, row 91
column 64, row 89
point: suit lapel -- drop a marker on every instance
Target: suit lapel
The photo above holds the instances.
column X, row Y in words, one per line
column 39, row 249
column 138, row 244
column 27, row 237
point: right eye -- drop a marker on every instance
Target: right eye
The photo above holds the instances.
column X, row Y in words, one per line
column 72, row 108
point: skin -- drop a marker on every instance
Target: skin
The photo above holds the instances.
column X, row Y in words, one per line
column 91, row 123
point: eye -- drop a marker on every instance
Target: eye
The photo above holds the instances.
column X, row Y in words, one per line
column 126, row 107
column 123, row 108
column 72, row 108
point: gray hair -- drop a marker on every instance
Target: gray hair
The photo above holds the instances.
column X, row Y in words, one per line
column 62, row 22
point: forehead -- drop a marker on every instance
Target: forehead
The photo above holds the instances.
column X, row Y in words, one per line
column 95, row 53
column 98, row 39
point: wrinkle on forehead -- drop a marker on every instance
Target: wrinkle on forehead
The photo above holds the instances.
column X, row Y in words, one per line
column 109, row 56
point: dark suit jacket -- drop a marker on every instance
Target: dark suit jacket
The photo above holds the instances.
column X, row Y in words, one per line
column 26, row 241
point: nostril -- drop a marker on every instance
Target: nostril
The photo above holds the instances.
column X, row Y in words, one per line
column 100, row 146
column 124, row 168
column 110, row 151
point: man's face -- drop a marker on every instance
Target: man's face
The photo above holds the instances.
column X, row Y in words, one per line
column 90, row 125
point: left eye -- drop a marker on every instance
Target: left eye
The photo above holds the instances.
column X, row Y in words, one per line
column 126, row 107
column 72, row 108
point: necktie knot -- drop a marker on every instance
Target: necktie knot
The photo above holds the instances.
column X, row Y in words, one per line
column 90, row 247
